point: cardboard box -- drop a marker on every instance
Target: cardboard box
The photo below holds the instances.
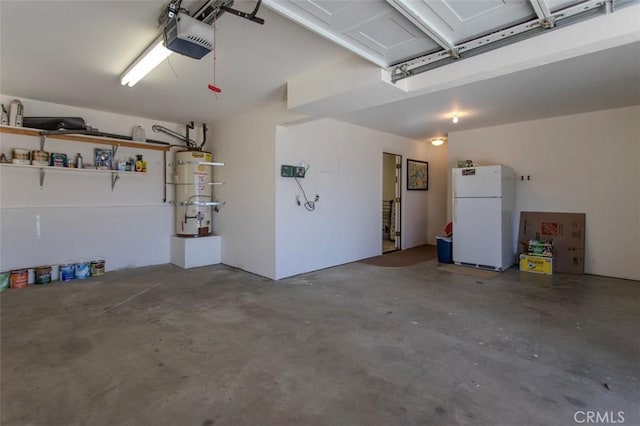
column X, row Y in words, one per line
column 566, row 230
column 537, row 264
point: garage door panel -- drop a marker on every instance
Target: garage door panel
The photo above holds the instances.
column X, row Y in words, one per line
column 458, row 21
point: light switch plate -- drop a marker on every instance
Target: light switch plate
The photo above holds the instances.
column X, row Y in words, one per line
column 286, row 171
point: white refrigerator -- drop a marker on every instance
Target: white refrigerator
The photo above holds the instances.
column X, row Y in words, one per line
column 482, row 216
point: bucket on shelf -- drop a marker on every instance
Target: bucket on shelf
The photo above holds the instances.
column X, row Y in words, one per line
column 21, row 156
column 57, row 159
column 40, row 158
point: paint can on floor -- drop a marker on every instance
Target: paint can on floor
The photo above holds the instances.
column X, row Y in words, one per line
column 43, row 274
column 55, row 272
column 19, row 278
column 4, row 280
column 82, row 270
column 97, row 267
column 67, row 272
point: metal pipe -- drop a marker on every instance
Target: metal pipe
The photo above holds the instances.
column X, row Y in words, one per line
column 164, row 175
column 190, row 126
column 157, row 128
column 204, row 135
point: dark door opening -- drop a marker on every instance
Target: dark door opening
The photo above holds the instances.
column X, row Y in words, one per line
column 391, row 201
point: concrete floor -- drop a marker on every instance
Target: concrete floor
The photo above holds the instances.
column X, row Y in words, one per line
column 351, row 345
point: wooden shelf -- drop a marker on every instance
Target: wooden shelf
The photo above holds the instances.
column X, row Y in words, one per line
column 69, row 169
column 115, row 174
column 83, row 138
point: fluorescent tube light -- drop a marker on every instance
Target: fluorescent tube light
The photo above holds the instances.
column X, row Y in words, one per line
column 147, row 61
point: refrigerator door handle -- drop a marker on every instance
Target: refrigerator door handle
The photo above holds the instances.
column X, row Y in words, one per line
column 454, row 209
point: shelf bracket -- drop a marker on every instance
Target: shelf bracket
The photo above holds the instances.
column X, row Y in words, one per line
column 114, row 148
column 42, row 173
column 114, row 178
column 43, row 139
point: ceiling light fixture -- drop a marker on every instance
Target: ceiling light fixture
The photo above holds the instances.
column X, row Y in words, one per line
column 455, row 119
column 437, row 141
column 147, row 61
column 184, row 34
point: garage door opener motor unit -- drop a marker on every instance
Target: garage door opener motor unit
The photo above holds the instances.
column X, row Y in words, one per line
column 188, row 36
column 191, row 34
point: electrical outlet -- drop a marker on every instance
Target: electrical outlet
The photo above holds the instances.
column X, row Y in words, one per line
column 286, row 171
column 300, row 171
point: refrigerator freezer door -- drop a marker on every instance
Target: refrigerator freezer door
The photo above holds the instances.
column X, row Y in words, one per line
column 484, row 181
column 477, row 232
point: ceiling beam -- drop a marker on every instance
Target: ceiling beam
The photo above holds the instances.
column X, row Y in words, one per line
column 407, row 10
column 282, row 8
column 543, row 12
column 566, row 16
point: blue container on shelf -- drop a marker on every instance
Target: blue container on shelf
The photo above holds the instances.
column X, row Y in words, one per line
column 445, row 248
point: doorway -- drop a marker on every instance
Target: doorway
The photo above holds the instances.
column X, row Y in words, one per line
column 391, row 201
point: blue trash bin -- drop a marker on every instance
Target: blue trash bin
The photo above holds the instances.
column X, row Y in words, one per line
column 445, row 249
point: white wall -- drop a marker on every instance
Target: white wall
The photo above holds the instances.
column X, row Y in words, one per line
column 437, row 201
column 246, row 223
column 346, row 171
column 76, row 215
column 587, row 163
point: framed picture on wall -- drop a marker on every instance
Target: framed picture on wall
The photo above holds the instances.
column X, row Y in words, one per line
column 417, row 175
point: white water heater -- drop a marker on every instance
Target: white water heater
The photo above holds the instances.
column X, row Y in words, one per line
column 194, row 196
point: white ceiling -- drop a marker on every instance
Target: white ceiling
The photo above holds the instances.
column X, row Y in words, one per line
column 73, row 53
column 602, row 80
